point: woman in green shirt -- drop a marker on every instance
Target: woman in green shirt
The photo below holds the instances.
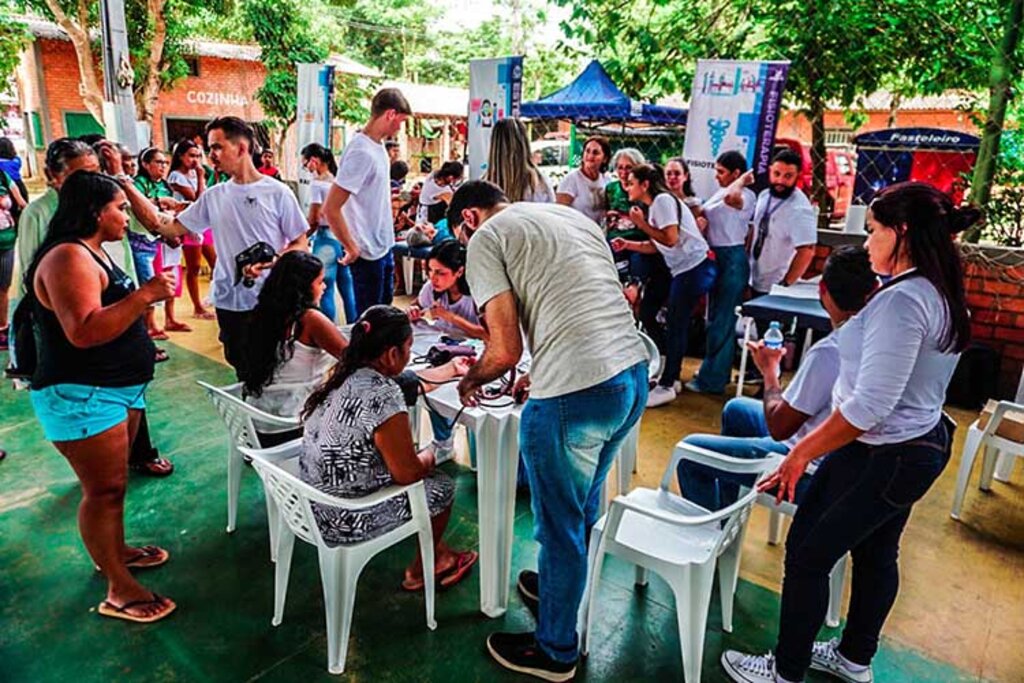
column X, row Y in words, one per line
column 151, row 182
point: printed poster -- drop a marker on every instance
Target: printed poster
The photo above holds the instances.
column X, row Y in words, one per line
column 735, row 106
column 495, row 91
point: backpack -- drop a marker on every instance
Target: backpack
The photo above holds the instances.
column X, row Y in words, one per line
column 23, row 357
column 8, row 222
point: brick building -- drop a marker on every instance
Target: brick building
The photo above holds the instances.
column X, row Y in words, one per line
column 222, row 81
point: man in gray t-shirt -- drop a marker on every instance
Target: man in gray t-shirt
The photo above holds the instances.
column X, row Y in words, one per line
column 547, row 270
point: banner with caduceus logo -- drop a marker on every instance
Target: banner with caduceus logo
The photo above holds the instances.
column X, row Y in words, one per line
column 735, row 106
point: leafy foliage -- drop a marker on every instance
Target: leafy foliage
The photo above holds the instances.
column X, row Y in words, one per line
column 14, row 36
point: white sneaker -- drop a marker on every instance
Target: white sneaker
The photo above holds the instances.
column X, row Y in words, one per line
column 744, row 668
column 660, row 395
column 443, row 450
column 678, row 386
column 825, row 657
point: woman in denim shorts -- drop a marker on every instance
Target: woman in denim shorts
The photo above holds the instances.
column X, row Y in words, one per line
column 94, row 359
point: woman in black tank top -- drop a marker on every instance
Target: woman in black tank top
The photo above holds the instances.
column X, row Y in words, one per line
column 93, row 352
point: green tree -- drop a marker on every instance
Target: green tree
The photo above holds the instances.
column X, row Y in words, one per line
column 291, row 33
column 156, row 32
column 14, row 37
column 840, row 50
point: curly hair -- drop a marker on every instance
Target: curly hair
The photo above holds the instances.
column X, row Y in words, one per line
column 276, row 322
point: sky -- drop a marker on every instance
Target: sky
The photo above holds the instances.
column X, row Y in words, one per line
column 471, row 13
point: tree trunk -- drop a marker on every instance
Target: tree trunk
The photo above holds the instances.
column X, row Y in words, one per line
column 819, row 180
column 894, row 110
column 1001, row 77
column 146, row 98
column 78, row 32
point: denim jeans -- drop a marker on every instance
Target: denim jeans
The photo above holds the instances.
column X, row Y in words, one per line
column 727, row 294
column 859, row 501
column 744, row 435
column 373, row 282
column 568, row 444
column 683, row 294
column 328, row 249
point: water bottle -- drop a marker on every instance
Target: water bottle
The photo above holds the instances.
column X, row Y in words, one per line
column 773, row 338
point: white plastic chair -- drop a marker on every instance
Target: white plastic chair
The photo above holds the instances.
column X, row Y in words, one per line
column 340, row 566
column 682, row 542
column 998, row 451
column 776, row 511
column 630, row 458
column 239, row 417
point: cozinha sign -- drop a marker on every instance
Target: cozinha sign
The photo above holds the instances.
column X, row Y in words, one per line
column 214, row 97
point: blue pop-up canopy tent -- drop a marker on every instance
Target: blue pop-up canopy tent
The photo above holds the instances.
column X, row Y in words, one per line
column 594, row 99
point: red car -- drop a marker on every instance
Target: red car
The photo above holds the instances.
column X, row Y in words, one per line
column 840, row 173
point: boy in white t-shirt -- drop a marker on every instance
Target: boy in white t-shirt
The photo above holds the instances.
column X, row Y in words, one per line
column 358, row 205
column 249, row 208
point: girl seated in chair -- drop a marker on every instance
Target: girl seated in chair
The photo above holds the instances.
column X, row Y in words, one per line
column 357, row 440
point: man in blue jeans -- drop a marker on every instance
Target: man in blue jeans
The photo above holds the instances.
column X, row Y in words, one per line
column 728, row 212
column 752, row 429
column 546, row 271
column 358, row 205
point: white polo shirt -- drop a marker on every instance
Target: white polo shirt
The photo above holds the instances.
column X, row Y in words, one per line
column 727, row 226
column 791, row 224
column 893, row 371
column 810, row 392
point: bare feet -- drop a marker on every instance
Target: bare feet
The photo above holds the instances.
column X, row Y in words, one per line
column 204, row 314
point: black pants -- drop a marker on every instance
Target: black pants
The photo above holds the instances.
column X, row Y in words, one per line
column 858, row 501
column 655, row 295
column 142, row 449
column 234, row 331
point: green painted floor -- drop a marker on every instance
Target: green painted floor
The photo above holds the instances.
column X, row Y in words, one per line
column 223, row 584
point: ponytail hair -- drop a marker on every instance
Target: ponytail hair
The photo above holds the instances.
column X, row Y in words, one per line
column 315, row 150
column 451, row 255
column 378, row 329
column 654, row 176
column 926, row 219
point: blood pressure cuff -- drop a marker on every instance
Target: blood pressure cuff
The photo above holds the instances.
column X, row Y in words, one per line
column 409, row 383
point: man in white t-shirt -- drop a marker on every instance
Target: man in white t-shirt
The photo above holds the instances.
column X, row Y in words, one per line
column 752, row 429
column 785, row 227
column 547, row 267
column 248, row 209
column 728, row 213
column 358, row 206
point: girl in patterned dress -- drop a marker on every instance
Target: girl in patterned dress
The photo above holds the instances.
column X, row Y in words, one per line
column 357, row 440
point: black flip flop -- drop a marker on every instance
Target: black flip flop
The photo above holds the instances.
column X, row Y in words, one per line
column 109, row 609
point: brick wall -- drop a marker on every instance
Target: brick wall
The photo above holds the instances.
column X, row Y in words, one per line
column 199, row 97
column 995, row 295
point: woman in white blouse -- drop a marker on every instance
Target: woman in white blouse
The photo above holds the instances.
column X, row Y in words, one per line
column 672, row 232
column 887, row 440
column 583, row 188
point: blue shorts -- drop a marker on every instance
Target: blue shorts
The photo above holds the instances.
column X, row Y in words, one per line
column 70, row 412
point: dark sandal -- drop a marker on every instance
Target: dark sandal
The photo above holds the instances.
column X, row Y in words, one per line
column 148, row 557
column 109, row 609
column 161, row 356
column 159, row 467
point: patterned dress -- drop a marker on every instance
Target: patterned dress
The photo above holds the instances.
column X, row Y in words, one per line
column 339, row 457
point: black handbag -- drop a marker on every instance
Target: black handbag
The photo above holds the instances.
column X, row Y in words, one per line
column 23, row 357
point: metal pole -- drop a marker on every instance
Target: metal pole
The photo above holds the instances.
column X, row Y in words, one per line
column 118, row 76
